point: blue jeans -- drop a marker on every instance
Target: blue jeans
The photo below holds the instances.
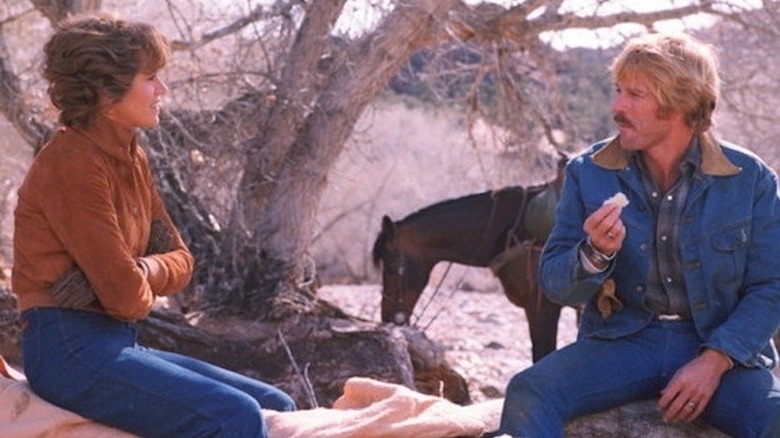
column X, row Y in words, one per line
column 90, row 364
column 593, row 375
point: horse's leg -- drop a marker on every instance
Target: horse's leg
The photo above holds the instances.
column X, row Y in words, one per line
column 543, row 317
column 518, row 276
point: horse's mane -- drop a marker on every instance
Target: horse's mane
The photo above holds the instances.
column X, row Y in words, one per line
column 379, row 243
column 461, row 203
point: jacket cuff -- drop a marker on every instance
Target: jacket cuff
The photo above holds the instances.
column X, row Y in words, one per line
column 156, row 272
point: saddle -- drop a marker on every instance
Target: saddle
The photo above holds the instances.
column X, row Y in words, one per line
column 539, row 214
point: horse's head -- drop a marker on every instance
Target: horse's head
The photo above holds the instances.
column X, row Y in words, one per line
column 398, row 294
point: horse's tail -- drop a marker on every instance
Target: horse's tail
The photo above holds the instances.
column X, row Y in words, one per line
column 379, row 244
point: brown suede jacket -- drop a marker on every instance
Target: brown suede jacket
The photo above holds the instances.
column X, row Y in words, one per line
column 88, row 200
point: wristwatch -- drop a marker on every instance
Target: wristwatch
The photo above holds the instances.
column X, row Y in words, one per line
column 596, row 257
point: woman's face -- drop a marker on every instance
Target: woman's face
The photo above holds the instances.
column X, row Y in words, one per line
column 140, row 107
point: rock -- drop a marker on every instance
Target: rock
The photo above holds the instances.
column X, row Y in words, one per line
column 636, row 420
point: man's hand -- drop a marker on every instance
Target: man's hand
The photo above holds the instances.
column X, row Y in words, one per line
column 605, row 229
column 692, row 386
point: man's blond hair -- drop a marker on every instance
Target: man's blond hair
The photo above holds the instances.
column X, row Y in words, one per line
column 682, row 71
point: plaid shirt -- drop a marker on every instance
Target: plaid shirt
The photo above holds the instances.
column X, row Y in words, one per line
column 666, row 291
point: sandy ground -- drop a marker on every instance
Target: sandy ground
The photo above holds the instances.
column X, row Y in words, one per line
column 485, row 336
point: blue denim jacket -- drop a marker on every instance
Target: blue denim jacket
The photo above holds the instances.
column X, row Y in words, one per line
column 729, row 243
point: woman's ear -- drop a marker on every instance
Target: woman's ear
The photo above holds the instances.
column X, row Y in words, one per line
column 105, row 107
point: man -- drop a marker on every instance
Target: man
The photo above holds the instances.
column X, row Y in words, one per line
column 694, row 256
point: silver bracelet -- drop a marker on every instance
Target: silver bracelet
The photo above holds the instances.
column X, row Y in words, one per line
column 596, row 255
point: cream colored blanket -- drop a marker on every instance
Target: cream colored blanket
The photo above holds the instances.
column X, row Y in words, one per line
column 372, row 409
column 367, row 409
column 25, row 415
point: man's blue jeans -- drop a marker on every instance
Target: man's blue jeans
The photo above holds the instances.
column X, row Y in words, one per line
column 90, row 364
column 593, row 375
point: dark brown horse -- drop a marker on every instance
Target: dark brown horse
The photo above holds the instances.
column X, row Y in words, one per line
column 483, row 229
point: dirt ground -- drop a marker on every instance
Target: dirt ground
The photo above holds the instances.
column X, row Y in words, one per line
column 485, row 336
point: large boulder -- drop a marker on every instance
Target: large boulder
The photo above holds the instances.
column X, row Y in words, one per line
column 636, row 420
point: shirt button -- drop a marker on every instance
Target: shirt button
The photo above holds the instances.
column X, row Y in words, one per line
column 664, row 238
column 669, row 280
column 670, row 198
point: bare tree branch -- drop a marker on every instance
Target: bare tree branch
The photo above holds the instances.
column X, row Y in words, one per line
column 294, row 99
column 56, row 10
column 13, row 105
column 13, row 17
column 521, row 24
column 366, row 70
column 259, row 13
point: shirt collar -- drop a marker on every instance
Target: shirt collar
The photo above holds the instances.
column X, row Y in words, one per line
column 713, row 161
column 115, row 141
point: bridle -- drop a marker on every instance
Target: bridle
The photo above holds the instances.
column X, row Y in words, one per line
column 401, row 274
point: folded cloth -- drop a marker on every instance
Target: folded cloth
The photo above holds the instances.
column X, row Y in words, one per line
column 73, row 290
column 373, row 409
column 23, row 414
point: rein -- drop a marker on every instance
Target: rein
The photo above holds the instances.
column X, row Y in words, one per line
column 512, row 241
column 491, row 219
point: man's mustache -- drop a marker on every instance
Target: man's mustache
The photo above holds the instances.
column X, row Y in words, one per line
column 621, row 120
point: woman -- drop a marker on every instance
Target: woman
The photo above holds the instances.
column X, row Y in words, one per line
column 94, row 246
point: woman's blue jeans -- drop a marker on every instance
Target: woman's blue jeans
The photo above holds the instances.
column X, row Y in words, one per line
column 593, row 375
column 90, row 364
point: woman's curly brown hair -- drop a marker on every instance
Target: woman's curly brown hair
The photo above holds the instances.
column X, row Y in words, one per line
column 93, row 59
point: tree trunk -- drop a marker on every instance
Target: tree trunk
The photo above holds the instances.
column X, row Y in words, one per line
column 312, row 355
column 309, row 356
column 286, row 170
column 10, row 325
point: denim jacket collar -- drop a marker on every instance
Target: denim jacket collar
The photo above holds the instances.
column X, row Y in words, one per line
column 713, row 161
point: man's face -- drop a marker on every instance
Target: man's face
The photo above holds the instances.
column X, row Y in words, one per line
column 643, row 124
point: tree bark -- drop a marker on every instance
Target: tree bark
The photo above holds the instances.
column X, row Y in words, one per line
column 287, row 170
column 10, row 326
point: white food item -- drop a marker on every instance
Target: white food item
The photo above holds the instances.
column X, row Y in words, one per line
column 618, row 199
